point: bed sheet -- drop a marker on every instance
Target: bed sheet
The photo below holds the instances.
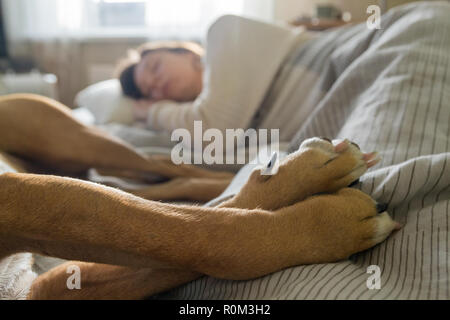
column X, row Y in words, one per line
column 388, row 90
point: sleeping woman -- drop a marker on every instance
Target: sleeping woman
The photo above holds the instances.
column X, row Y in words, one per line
column 227, row 87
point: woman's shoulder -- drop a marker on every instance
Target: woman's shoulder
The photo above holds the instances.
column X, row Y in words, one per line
column 229, row 26
column 224, row 22
column 222, row 27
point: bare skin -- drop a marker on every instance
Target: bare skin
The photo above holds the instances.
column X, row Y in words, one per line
column 165, row 75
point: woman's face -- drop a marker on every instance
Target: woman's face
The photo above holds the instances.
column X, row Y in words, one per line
column 165, row 75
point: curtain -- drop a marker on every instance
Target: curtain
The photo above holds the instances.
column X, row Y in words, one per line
column 186, row 19
column 46, row 31
column 42, row 19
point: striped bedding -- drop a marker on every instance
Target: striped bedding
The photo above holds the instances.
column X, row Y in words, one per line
column 387, row 90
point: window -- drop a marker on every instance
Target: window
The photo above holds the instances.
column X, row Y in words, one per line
column 110, row 13
column 157, row 19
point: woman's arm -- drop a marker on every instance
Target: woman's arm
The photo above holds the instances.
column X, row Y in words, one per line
column 170, row 115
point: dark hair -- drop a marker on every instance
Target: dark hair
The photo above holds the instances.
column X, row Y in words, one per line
column 128, row 66
column 129, row 87
column 178, row 50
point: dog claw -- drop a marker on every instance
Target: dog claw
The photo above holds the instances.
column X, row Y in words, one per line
column 397, row 226
column 371, row 159
column 369, row 156
column 381, row 207
column 373, row 162
column 326, row 139
column 342, row 146
column 270, row 167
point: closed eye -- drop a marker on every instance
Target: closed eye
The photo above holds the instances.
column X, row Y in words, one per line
column 156, row 66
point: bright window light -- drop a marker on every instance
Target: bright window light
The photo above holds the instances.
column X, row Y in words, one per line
column 157, row 18
column 153, row 19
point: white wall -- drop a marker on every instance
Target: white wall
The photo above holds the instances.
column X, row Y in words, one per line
column 261, row 9
column 287, row 10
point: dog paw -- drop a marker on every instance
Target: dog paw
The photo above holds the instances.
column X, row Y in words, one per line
column 319, row 166
column 342, row 162
column 321, row 229
column 332, row 227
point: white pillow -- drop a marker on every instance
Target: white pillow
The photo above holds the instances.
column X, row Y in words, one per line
column 106, row 102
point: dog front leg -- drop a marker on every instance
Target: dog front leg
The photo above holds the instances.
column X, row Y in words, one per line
column 118, row 282
column 77, row 220
column 44, row 130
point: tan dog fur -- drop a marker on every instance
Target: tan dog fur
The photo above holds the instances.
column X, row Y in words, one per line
column 134, row 248
column 43, row 130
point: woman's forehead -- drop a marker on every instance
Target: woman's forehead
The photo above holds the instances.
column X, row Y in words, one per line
column 153, row 55
column 149, row 57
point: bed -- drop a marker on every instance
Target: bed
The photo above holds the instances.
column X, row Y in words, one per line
column 387, row 90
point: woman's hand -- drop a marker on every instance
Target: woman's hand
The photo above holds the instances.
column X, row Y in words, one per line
column 140, row 109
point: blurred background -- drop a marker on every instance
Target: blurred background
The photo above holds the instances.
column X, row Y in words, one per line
column 58, row 47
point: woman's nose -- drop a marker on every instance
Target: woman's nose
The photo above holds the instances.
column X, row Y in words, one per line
column 155, row 92
column 150, row 84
